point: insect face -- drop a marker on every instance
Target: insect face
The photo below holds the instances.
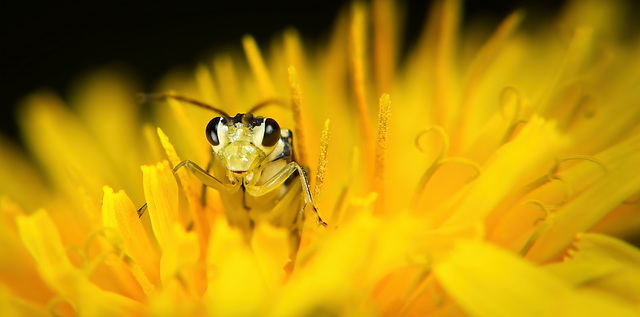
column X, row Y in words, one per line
column 242, row 142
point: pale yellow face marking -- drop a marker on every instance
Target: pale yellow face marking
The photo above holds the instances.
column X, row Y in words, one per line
column 241, row 148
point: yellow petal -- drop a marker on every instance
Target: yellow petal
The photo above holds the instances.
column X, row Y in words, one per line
column 64, row 146
column 192, row 188
column 258, row 67
column 206, row 85
column 181, row 252
column 11, row 305
column 236, row 287
column 488, row 281
column 161, row 192
column 513, row 166
column 18, row 271
column 594, row 304
column 19, row 179
column 41, row 238
column 340, row 270
column 613, row 188
column 271, row 248
column 105, row 102
column 474, row 115
column 118, row 212
column 602, row 263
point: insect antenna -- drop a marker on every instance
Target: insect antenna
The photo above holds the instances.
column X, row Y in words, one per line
column 268, row 102
column 148, row 97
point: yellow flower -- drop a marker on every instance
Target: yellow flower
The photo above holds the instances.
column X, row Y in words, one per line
column 499, row 178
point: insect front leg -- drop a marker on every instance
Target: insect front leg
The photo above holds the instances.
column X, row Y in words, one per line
column 279, row 178
column 206, row 179
column 203, row 193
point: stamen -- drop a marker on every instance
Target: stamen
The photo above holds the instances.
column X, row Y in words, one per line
column 322, row 159
column 384, row 114
column 357, row 62
column 258, row 66
column 298, row 117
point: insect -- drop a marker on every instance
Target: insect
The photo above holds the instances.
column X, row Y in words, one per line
column 254, row 170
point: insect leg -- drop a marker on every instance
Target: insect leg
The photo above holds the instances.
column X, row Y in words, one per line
column 279, row 178
column 206, row 179
column 203, row 195
column 141, row 210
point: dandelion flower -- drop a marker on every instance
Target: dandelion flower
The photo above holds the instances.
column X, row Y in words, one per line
column 491, row 179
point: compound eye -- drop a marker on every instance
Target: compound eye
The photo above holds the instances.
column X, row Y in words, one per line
column 212, row 130
column 271, row 132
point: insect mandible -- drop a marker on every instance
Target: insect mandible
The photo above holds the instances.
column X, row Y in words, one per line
column 254, row 170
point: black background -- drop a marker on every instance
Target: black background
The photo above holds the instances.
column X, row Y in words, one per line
column 47, row 45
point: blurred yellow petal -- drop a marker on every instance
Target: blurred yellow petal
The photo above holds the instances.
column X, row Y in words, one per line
column 602, row 263
column 181, row 252
column 236, row 286
column 19, row 275
column 64, row 146
column 271, row 248
column 515, row 165
column 488, row 281
column 41, row 238
column 30, row 192
column 105, row 99
column 613, row 188
column 15, row 306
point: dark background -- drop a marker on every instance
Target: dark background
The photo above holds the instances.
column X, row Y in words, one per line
column 48, row 45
